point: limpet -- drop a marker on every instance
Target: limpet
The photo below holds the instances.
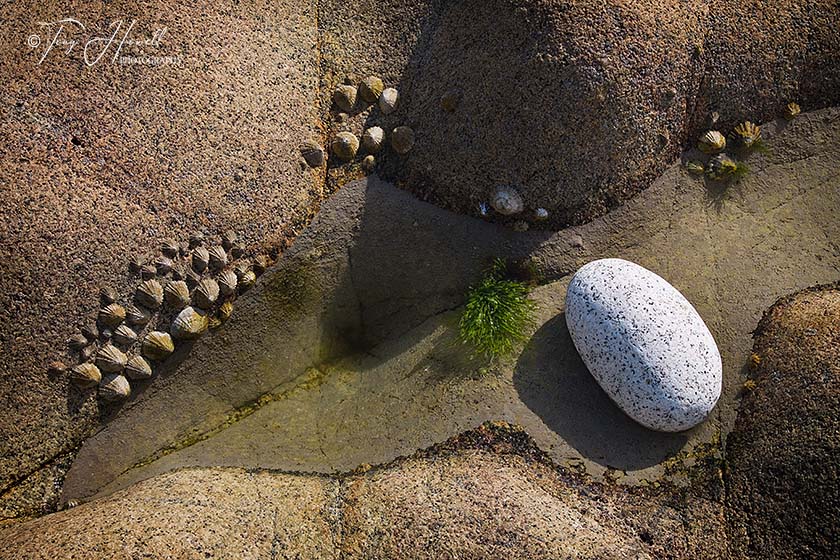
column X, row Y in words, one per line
column 85, row 375
column 149, row 294
column 114, row 387
column 791, row 110
column 711, row 142
column 112, row 315
column 247, row 280
column 747, row 133
column 313, row 153
column 148, row 271
column 157, row 346
column 218, row 257
column 402, row 139
column 163, row 265
column 371, row 88
column 137, row 315
column 177, row 294
column 124, row 335
column 227, row 282
column 206, row 293
column 369, row 163
column 372, row 139
column 190, row 323
column 261, row 263
column 388, row 101
column 228, row 239
column 137, row 368
column 169, row 248
column 345, row 146
column 110, row 359
column 200, row 259
column 721, row 166
column 507, row 201
column 107, row 295
column 345, row 97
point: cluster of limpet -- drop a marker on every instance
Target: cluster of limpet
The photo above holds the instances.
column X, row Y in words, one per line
column 183, row 292
column 345, row 146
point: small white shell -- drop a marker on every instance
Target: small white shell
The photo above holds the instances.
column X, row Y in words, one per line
column 114, row 387
column 137, row 368
column 388, row 101
column 110, row 359
column 507, row 201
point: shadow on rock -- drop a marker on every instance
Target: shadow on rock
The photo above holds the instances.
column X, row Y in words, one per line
column 553, row 382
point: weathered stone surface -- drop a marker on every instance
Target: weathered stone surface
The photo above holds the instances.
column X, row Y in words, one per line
column 783, row 456
column 644, row 343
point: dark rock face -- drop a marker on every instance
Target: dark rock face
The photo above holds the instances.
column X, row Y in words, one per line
column 579, row 105
column 784, row 454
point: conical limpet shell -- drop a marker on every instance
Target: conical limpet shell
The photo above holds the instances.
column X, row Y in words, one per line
column 157, row 345
column 373, row 138
column 77, row 341
column 148, row 271
column 193, row 278
column 125, row 335
column 540, row 214
column 218, row 257
column 206, row 293
column 345, row 97
column 110, row 359
column 149, row 294
column 196, row 239
column 371, row 88
column 711, row 142
column 177, row 294
column 312, row 153
column 163, row 265
column 402, row 139
column 791, row 110
column 345, row 146
column 112, row 315
column 237, row 251
column 87, row 353
column 190, row 323
column 261, row 263
column 114, row 387
column 694, row 167
column 225, row 311
column 56, row 368
column 721, row 166
column 507, row 201
column 227, row 282
column 137, row 315
column 747, row 134
column 241, row 268
column 85, row 375
column 368, row 163
column 228, row 239
column 247, row 280
column 137, row 368
column 90, row 331
column 388, row 101
column 200, row 259
column 179, row 272
column 108, row 295
column 169, row 248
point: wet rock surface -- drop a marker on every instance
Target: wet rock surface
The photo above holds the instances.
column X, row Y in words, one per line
column 783, row 456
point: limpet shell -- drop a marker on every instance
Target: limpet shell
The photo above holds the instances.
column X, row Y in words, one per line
column 225, row 311
column 112, row 315
column 507, row 201
column 227, row 282
column 450, row 100
column 241, row 268
column 190, row 323
column 791, row 110
column 125, row 335
column 56, row 368
column 218, row 257
column 228, row 239
column 177, row 294
column 261, row 263
column 206, row 293
column 107, row 295
column 196, row 239
column 137, row 315
column 90, row 331
column 247, row 280
column 237, row 251
column 345, row 97
column 157, row 345
column 114, row 387
column 149, row 294
column 170, row 248
column 110, row 359
column 373, row 138
column 148, row 271
column 540, row 214
column 77, row 341
column 747, row 133
column 711, row 142
column 163, row 265
column 345, row 146
column 85, row 375
column 720, row 167
column 371, row 88
column 313, row 153
column 402, row 139
column 137, row 368
column 179, row 272
column 192, row 278
column 388, row 101
column 369, row 163
column 87, row 353
column 520, row 226
column 200, row 259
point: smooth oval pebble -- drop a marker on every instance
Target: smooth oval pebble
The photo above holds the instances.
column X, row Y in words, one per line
column 644, row 344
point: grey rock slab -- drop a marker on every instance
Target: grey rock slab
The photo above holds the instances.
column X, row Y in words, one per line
column 388, row 269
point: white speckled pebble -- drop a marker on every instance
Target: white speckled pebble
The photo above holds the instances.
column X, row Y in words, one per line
column 644, row 344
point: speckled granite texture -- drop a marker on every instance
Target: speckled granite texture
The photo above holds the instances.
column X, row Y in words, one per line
column 644, row 343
